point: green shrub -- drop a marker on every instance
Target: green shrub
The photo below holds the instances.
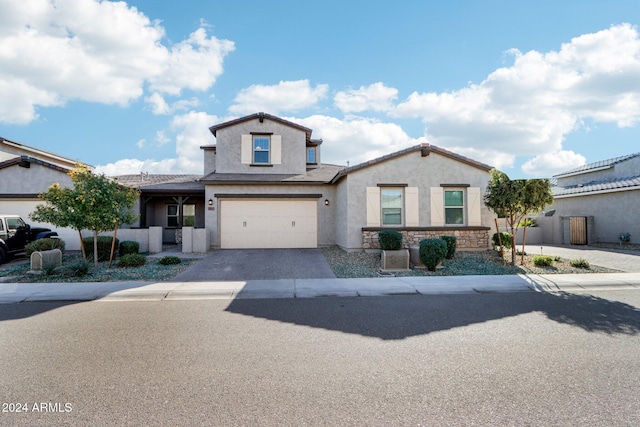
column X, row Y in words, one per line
column 451, row 245
column 390, row 240
column 580, row 263
column 132, row 260
column 528, row 222
column 78, row 268
column 104, row 247
column 542, row 261
column 45, row 244
column 169, row 260
column 128, row 247
column 432, row 252
column 506, row 239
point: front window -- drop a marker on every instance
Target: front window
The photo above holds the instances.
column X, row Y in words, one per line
column 311, row 155
column 172, row 216
column 454, row 207
column 188, row 215
column 391, row 204
column 261, row 149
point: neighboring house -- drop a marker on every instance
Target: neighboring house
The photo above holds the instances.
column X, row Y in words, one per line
column 168, row 201
column 27, row 171
column 266, row 187
column 598, row 202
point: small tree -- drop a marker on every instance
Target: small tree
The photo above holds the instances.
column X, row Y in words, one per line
column 94, row 203
column 514, row 199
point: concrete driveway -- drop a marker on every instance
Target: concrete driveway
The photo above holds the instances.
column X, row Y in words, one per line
column 258, row 264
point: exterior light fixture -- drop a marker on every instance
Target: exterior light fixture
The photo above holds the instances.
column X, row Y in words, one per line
column 326, row 202
column 210, row 202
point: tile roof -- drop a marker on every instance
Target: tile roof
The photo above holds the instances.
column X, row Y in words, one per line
column 260, row 116
column 617, row 184
column 161, row 182
column 598, row 165
column 425, row 149
column 321, row 175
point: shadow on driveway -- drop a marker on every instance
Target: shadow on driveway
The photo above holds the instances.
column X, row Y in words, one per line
column 258, row 264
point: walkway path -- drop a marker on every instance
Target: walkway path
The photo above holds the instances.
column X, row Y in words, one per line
column 626, row 262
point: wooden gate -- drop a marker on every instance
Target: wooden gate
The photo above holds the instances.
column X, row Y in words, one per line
column 578, row 229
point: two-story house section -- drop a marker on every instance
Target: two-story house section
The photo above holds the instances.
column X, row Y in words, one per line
column 266, row 186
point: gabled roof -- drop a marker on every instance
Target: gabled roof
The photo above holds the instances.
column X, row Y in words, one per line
column 26, row 161
column 261, row 117
column 425, row 150
column 36, row 152
column 591, row 167
column 602, row 186
column 320, row 175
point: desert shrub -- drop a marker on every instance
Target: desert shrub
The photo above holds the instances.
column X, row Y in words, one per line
column 45, row 244
column 432, row 252
column 580, row 263
column 390, row 240
column 451, row 245
column 528, row 222
column 77, row 268
column 132, row 260
column 543, row 261
column 557, row 258
column 506, row 239
column 128, row 247
column 104, row 247
column 169, row 260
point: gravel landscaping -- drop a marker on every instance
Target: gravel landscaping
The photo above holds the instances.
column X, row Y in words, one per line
column 362, row 264
column 151, row 271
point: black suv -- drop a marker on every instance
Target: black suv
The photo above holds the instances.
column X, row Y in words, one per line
column 15, row 234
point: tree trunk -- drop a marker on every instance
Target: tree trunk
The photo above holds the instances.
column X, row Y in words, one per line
column 95, row 248
column 113, row 244
column 524, row 239
column 499, row 239
column 513, row 243
column 84, row 253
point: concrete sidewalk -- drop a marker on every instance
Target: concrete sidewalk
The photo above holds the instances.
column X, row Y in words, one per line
column 310, row 288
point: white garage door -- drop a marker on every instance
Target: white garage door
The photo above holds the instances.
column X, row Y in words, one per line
column 268, row 224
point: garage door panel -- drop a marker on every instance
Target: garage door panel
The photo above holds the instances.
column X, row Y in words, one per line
column 268, row 224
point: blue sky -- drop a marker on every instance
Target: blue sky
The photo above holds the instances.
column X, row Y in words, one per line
column 533, row 88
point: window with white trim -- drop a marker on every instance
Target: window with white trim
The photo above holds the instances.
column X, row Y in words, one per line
column 391, row 204
column 261, row 144
column 311, row 155
column 454, row 207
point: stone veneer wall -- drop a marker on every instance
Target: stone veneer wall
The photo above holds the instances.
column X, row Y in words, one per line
column 467, row 238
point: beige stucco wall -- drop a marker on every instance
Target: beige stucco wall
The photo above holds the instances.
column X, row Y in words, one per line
column 413, row 170
column 228, row 143
column 326, row 214
column 613, row 213
column 33, row 180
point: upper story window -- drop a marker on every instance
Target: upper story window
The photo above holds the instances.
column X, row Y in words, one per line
column 311, row 155
column 391, row 204
column 261, row 144
column 454, row 207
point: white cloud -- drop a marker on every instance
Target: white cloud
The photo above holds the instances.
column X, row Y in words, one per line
column 528, row 108
column 192, row 131
column 375, row 97
column 356, row 139
column 95, row 51
column 161, row 138
column 285, row 96
column 160, row 107
column 549, row 164
column 140, row 143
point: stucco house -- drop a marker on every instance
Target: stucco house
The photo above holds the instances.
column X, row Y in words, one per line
column 27, row 171
column 265, row 186
column 598, row 202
